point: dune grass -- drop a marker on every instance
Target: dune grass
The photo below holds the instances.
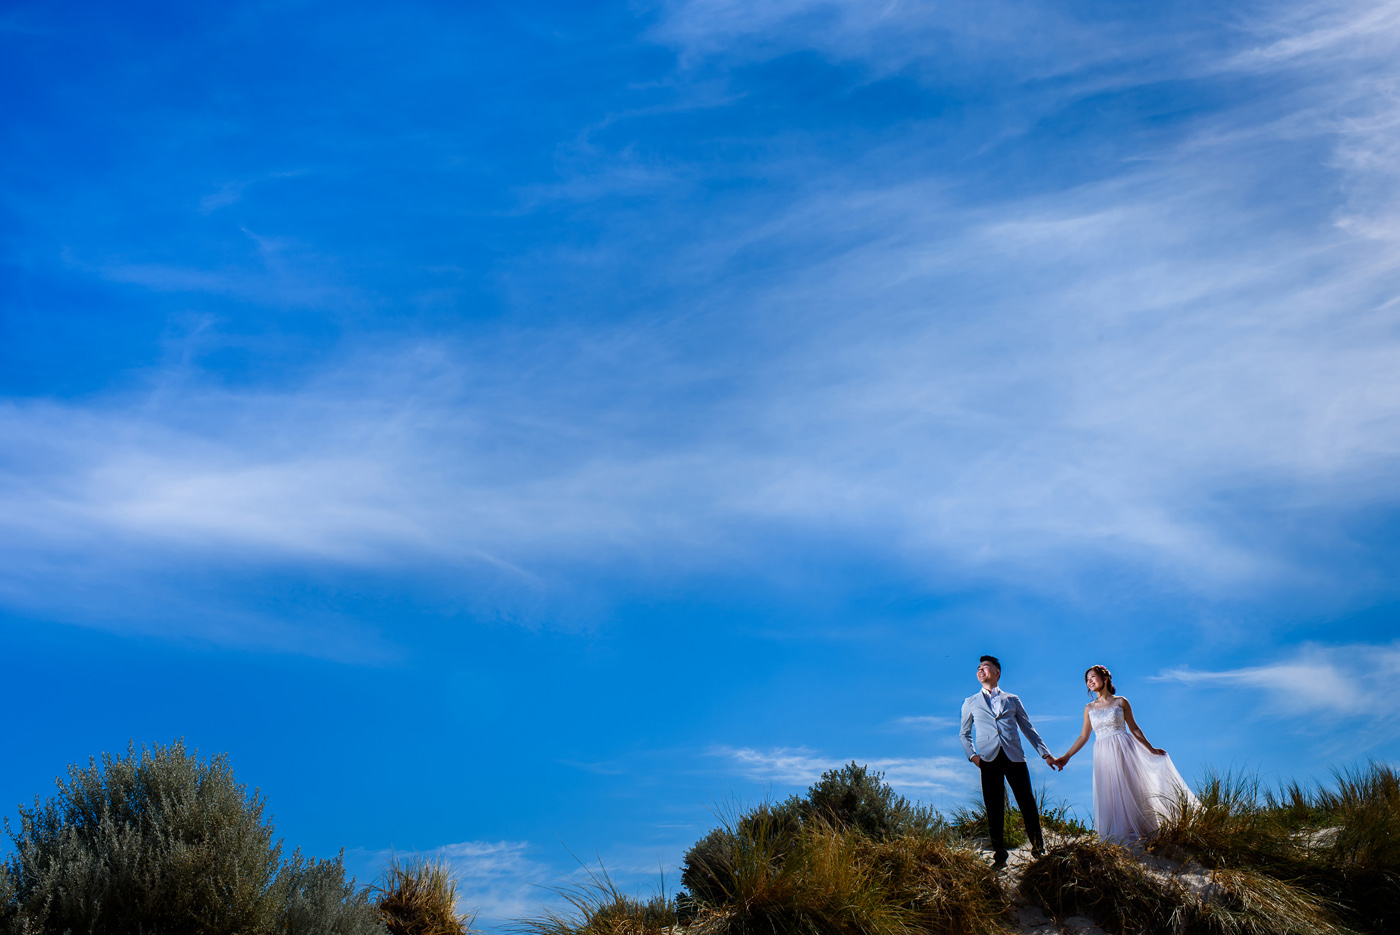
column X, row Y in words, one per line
column 1337, row 843
column 419, row 897
column 969, row 822
column 1104, row 882
column 598, row 907
column 834, row 879
column 1291, row 861
column 1108, row 884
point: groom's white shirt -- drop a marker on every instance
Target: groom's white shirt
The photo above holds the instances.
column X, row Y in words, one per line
column 990, row 720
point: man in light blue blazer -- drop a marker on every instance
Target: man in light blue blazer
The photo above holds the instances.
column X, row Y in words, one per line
column 990, row 721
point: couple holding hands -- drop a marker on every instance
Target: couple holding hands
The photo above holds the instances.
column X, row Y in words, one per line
column 1135, row 783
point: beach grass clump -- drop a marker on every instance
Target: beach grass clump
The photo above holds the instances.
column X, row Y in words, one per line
column 831, row 877
column 1364, row 807
column 1335, row 848
column 943, row 887
column 969, row 823
column 851, row 798
column 1358, row 846
column 1060, row 818
column 822, row 885
column 1237, row 824
column 1246, row 902
column 419, row 897
column 159, row 840
column 1106, row 883
column 598, row 907
column 741, row 843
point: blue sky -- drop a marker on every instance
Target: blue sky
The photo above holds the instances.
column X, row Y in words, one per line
column 514, row 431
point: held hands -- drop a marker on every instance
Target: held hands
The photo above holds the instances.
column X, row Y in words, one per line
column 1052, row 762
column 1061, row 762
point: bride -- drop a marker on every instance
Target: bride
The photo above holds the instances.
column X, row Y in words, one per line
column 1135, row 783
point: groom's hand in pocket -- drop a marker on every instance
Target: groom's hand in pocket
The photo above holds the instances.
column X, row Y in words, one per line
column 976, row 760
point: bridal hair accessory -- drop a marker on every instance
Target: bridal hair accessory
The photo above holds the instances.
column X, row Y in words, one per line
column 1104, row 669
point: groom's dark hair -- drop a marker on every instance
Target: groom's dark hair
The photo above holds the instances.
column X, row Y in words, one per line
column 993, row 660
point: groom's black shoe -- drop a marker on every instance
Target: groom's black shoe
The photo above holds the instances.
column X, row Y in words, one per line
column 1037, row 852
column 998, row 862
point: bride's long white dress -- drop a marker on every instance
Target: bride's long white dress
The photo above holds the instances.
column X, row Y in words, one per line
column 1133, row 787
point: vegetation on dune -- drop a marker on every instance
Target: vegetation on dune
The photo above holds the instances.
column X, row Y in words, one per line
column 1338, row 846
column 161, row 842
column 1104, row 882
column 969, row 822
column 419, row 897
column 850, row 856
column 1107, row 883
column 598, row 907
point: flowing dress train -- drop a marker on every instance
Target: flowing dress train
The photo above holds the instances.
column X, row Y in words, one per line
column 1133, row 787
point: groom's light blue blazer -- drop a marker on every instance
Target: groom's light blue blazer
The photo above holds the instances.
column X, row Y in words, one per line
column 996, row 730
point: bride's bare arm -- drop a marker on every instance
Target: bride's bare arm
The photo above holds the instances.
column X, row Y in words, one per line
column 1137, row 731
column 1078, row 744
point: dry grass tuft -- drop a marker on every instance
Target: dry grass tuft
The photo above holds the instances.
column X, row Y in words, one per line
column 1250, row 903
column 600, row 908
column 419, row 897
column 1233, row 827
column 819, row 886
column 832, row 878
column 1106, row 883
column 944, row 887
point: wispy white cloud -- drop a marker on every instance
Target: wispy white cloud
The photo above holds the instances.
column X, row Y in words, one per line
column 799, row 766
column 890, row 36
column 1119, row 371
column 926, row 722
column 1314, row 683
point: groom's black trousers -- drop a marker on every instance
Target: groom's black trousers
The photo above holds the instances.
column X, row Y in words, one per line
column 1018, row 776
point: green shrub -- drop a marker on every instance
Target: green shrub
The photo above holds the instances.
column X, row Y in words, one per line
column 419, row 897
column 320, row 901
column 150, row 842
column 850, row 798
column 162, row 842
column 856, row 798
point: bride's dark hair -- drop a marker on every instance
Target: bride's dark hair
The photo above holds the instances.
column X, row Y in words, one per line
column 1104, row 674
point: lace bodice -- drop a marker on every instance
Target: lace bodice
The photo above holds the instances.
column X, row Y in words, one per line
column 1108, row 720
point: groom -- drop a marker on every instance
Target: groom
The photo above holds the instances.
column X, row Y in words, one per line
column 995, row 715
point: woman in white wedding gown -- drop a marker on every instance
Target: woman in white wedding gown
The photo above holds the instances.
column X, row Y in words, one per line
column 1135, row 783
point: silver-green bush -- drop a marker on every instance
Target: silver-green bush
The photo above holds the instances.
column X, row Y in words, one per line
column 158, row 842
